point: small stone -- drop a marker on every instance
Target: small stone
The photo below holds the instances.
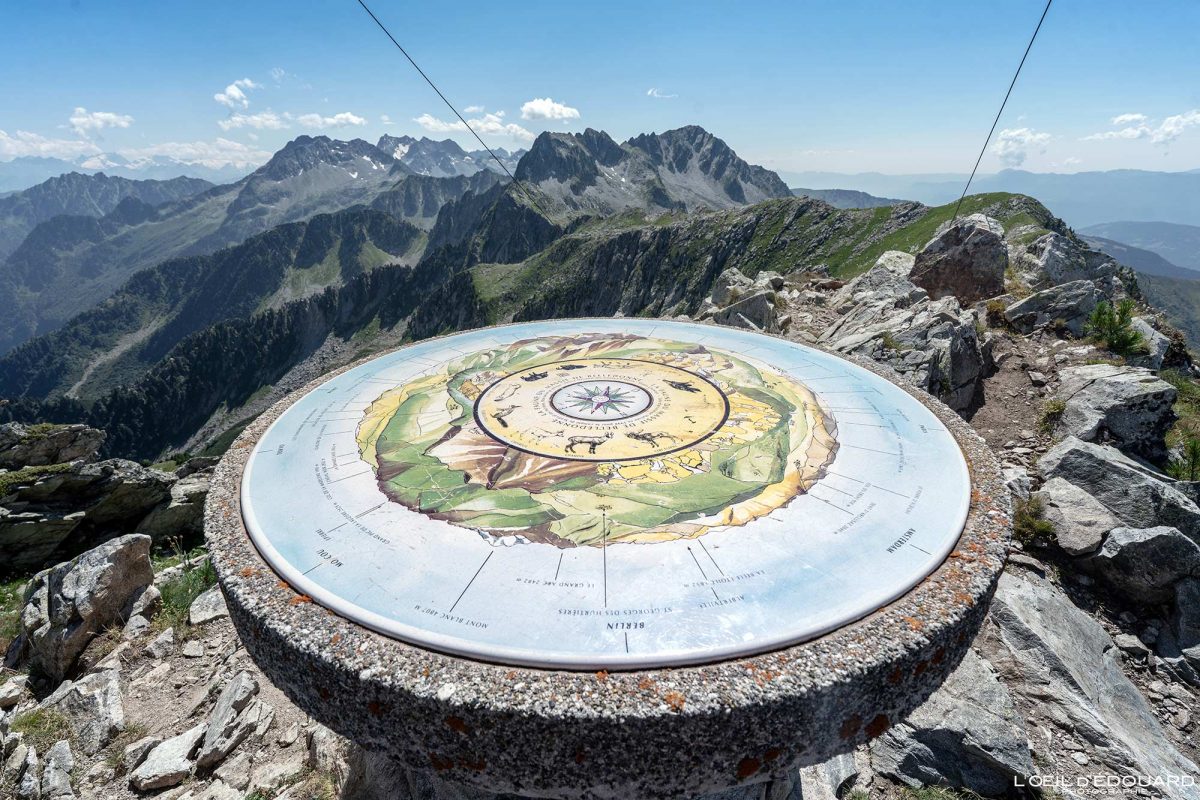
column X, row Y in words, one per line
column 227, row 726
column 56, row 779
column 163, row 644
column 1131, row 645
column 446, row 691
column 11, row 691
column 207, row 607
column 192, row 648
column 235, row 772
column 1037, row 378
column 137, row 627
column 1080, row 758
column 169, row 763
column 289, row 735
column 29, row 787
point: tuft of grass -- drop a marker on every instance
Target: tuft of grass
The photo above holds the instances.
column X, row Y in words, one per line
column 1051, row 413
column 43, row 727
column 890, row 342
column 10, row 480
column 179, row 593
column 114, row 754
column 1112, row 326
column 995, row 314
column 1030, row 525
column 938, row 793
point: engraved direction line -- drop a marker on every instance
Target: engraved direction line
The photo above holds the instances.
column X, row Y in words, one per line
column 863, row 424
column 347, row 477
column 369, row 510
column 714, row 591
column 626, row 641
column 826, row 502
column 889, row 491
column 697, row 562
column 314, row 566
column 557, row 569
column 710, row 558
column 473, row 577
column 869, row 449
column 922, row 549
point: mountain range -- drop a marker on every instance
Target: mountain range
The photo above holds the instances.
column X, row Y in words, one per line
column 444, row 159
column 1082, row 199
column 1179, row 244
column 25, row 171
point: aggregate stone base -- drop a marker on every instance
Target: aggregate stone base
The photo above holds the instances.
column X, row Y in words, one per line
column 659, row 733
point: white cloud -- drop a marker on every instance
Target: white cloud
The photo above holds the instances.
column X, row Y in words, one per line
column 336, row 121
column 24, row 143
column 545, row 108
column 234, row 95
column 278, row 74
column 266, row 120
column 83, row 122
column 659, row 94
column 1128, row 119
column 215, row 154
column 385, row 119
column 1164, row 133
column 488, row 124
column 1013, row 145
column 473, row 109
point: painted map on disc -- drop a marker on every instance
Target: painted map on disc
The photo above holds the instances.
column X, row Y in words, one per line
column 594, row 494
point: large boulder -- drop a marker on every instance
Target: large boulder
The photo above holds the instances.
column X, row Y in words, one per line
column 1185, row 622
column 1069, row 305
column 228, row 725
column 1080, row 522
column 729, row 287
column 755, row 311
column 887, row 281
column 966, row 261
column 967, row 735
column 42, row 445
column 1145, row 563
column 1063, row 666
column 1127, row 406
column 1053, row 259
column 67, row 605
column 1134, row 493
column 169, row 763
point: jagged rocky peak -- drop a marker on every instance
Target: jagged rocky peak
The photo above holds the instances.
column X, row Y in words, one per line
column 307, row 152
column 681, row 148
column 444, row 158
column 567, row 156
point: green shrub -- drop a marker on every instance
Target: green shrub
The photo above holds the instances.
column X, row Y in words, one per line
column 1030, row 525
column 179, row 592
column 1113, row 327
column 1187, row 466
column 43, row 727
column 1051, row 413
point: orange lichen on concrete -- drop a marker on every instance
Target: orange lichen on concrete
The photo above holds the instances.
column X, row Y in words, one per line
column 440, row 763
column 457, row 724
column 299, row 599
column 602, row 675
column 473, row 763
column 850, row 727
column 747, row 767
column 877, row 726
column 674, row 700
column 647, row 685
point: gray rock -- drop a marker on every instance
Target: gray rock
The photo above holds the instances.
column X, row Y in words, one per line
column 148, row 603
column 169, row 763
column 235, row 772
column 182, row 513
column 829, row 780
column 14, row 759
column 1064, row 665
column 1018, row 481
column 192, row 648
column 136, row 627
column 207, row 607
column 134, row 754
column 329, row 754
column 730, row 286
column 886, row 281
column 1185, row 621
column 968, row 734
column 1157, row 345
column 966, row 261
column 1080, row 521
column 56, row 778
column 67, row 605
column 29, row 787
column 1127, row 406
column 93, row 707
column 1054, row 259
column 40, row 445
column 1072, row 303
column 1135, row 494
column 227, row 726
column 1144, row 563
column 12, row 691
column 755, row 311
column 163, row 644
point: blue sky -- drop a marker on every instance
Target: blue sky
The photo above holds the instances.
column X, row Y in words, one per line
column 896, row 87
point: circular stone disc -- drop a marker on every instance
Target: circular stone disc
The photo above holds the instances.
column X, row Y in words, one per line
column 605, row 494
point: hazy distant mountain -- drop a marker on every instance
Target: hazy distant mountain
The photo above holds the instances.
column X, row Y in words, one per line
column 85, row 195
column 26, row 171
column 72, row 263
column 1144, row 261
column 1179, row 244
column 120, row 338
column 846, row 198
column 446, row 158
column 1082, row 198
column 683, row 169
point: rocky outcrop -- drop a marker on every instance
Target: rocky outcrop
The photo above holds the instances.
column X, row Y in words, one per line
column 1129, row 407
column 1054, row 259
column 42, row 445
column 65, row 509
column 1066, row 306
column 169, row 763
column 968, row 734
column 67, row 605
column 1062, row 665
column 182, row 514
column 93, row 708
column 744, row 303
column 932, row 343
column 966, row 261
column 1132, row 492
